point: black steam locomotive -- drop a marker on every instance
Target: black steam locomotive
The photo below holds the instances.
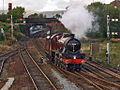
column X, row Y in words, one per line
column 64, row 51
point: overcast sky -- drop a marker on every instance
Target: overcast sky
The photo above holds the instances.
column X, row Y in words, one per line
column 44, row 5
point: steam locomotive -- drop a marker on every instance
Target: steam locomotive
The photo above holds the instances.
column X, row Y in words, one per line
column 64, row 51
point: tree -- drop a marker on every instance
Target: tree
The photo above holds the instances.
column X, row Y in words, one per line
column 41, row 16
column 3, row 17
column 100, row 12
column 35, row 15
column 58, row 16
column 17, row 13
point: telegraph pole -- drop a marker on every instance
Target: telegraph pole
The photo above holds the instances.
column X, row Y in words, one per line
column 108, row 39
column 11, row 27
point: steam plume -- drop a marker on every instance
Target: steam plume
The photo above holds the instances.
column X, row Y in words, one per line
column 77, row 18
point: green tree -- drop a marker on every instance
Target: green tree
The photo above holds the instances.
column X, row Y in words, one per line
column 100, row 12
column 58, row 16
column 41, row 16
column 3, row 17
column 35, row 15
column 17, row 13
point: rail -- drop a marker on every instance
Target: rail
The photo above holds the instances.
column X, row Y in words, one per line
column 40, row 70
column 3, row 61
column 105, row 71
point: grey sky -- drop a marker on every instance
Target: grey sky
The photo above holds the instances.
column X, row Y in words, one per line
column 44, row 5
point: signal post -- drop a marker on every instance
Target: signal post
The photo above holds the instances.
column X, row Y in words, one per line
column 108, row 37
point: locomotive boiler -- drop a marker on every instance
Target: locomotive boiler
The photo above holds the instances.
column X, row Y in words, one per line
column 64, row 51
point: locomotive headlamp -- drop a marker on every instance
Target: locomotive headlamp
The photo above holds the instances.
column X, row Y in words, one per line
column 48, row 37
column 74, row 57
column 67, row 62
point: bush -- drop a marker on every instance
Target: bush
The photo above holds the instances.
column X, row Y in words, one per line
column 1, row 37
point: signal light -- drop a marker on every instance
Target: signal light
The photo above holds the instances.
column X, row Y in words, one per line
column 21, row 19
column 8, row 19
column 9, row 6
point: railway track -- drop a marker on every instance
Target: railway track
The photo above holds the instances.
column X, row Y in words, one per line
column 92, row 82
column 37, row 76
column 81, row 82
column 2, row 66
column 6, row 57
column 104, row 84
column 8, row 53
column 105, row 70
column 40, row 48
column 115, row 70
column 101, row 76
column 106, row 73
column 94, row 76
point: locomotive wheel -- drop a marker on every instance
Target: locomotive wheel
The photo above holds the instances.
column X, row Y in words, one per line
column 52, row 60
column 55, row 61
column 67, row 67
column 60, row 65
column 78, row 70
column 63, row 66
column 53, row 57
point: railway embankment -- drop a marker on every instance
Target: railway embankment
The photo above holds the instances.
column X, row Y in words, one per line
column 101, row 55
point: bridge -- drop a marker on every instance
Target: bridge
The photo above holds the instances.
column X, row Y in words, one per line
column 53, row 23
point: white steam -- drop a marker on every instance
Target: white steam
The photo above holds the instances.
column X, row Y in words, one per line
column 77, row 19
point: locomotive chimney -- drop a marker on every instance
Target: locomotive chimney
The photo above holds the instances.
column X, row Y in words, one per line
column 73, row 35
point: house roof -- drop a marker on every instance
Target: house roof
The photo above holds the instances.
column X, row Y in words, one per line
column 116, row 3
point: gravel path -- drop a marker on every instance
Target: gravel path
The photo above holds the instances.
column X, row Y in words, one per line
column 67, row 85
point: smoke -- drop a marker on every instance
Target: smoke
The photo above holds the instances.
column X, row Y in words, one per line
column 44, row 4
column 38, row 5
column 77, row 18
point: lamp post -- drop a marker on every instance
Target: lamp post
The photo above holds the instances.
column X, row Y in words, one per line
column 108, row 37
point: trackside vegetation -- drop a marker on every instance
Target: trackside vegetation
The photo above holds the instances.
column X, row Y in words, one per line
column 5, row 23
column 101, row 55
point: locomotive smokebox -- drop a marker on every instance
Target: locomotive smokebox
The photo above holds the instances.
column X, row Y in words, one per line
column 73, row 45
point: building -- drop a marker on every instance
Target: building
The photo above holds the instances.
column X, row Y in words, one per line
column 116, row 3
column 48, row 14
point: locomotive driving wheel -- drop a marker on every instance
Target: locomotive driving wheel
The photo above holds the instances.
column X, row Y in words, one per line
column 56, row 60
